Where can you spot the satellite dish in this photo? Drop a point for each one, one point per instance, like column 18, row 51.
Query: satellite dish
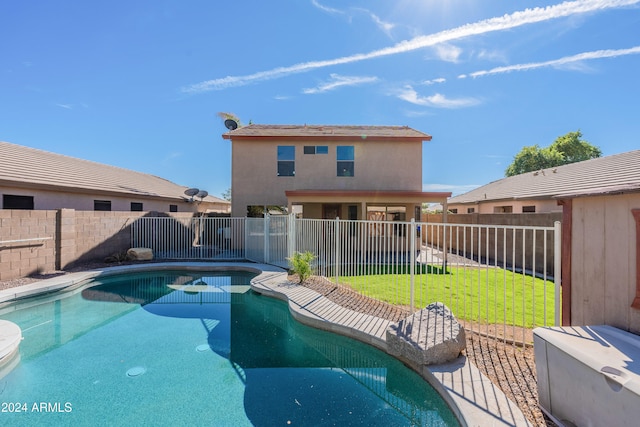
column 231, row 124
column 202, row 194
column 191, row 191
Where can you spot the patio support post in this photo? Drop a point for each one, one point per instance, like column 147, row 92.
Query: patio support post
column 557, row 269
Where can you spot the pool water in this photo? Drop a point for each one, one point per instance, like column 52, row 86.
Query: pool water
column 198, row 348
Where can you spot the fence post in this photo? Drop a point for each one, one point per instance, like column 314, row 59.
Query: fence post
column 337, row 248
column 265, row 256
column 291, row 235
column 412, row 262
column 557, row 268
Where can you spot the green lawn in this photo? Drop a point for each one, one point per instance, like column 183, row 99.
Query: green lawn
column 484, row 295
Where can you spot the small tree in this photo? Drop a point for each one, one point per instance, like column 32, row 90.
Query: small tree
column 300, row 264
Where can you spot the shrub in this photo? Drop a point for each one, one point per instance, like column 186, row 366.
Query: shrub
column 300, row 264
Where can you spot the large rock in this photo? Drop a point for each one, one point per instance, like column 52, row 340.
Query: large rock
column 140, row 254
column 430, row 336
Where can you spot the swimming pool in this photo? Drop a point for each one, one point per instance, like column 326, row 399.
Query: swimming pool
column 198, row 347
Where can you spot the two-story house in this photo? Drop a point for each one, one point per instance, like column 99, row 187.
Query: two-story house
column 350, row 172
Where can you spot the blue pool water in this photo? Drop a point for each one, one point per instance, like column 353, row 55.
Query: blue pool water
column 173, row 347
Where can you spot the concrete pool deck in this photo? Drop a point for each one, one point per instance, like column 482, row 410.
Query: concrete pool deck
column 471, row 395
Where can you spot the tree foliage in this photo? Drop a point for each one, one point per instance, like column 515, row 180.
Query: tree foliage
column 568, row 148
column 227, row 194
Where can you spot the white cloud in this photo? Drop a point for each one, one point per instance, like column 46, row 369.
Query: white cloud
column 492, row 55
column 65, row 106
column 326, row 8
column 448, row 52
column 500, row 23
column 386, row 27
column 573, row 62
column 434, row 81
column 339, row 81
column 437, row 100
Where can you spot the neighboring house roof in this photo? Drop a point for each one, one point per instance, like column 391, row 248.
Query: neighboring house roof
column 615, row 173
column 322, row 132
column 22, row 166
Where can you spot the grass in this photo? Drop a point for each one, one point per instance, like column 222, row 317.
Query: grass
column 483, row 295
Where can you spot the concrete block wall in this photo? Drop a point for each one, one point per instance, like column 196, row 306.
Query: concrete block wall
column 51, row 240
column 27, row 242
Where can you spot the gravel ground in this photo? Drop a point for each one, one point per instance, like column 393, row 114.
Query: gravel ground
column 510, row 367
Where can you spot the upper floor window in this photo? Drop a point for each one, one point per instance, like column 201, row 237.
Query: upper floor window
column 136, row 207
column 173, row 208
column 471, row 210
column 286, row 160
column 10, row 201
column 528, row 209
column 345, row 156
column 316, row 149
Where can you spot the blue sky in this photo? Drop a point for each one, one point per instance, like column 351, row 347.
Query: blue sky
column 138, row 84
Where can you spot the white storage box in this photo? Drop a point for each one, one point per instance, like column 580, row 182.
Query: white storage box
column 588, row 376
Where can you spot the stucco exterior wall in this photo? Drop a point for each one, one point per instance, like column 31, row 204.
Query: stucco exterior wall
column 603, row 261
column 52, row 200
column 378, row 165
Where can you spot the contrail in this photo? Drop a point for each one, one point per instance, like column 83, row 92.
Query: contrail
column 513, row 20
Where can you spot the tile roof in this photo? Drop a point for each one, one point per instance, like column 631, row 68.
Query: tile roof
column 29, row 167
column 327, row 131
column 615, row 173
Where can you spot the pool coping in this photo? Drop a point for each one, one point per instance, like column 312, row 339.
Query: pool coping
column 472, row 396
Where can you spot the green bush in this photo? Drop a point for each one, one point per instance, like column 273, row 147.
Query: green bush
column 300, row 264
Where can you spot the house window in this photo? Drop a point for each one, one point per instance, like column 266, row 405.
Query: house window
column 316, row 149
column 10, row 201
column 102, row 205
column 454, row 210
column 345, row 157
column 503, row 209
column 136, row 207
column 286, row 160
column 471, row 210
column 528, row 209
column 173, row 208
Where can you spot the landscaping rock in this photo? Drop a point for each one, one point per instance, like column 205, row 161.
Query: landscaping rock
column 140, row 254
column 427, row 337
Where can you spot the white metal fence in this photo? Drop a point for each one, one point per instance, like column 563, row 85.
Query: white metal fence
column 501, row 281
